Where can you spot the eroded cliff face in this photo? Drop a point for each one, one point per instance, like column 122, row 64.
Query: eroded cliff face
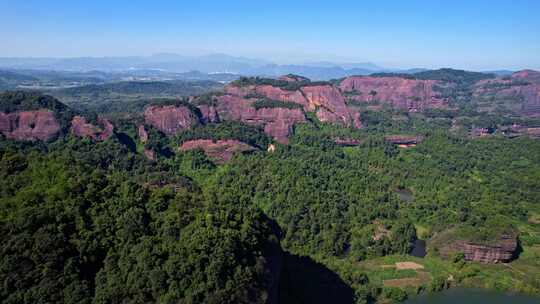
column 501, row 251
column 409, row 94
column 29, row 125
column 81, row 128
column 326, row 100
column 170, row 119
column 522, row 86
column 277, row 122
column 209, row 114
column 329, row 103
column 221, row 150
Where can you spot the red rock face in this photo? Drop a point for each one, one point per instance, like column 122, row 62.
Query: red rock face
column 327, row 100
column 348, row 142
column 522, row 85
column 277, row 122
column 409, row 94
column 502, row 251
column 293, row 78
column 404, row 139
column 221, row 150
column 209, row 114
column 143, row 134
column 29, row 125
column 170, row 119
column 270, row 92
column 150, row 154
column 81, row 128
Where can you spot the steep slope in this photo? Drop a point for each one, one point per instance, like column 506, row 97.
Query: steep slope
column 28, row 116
column 519, row 92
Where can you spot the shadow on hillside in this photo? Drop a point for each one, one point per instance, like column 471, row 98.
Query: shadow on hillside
column 304, row 281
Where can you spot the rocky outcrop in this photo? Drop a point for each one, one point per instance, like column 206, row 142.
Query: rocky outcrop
column 324, row 99
column 522, row 87
column 29, row 125
column 500, row 251
column 170, row 119
column 277, row 122
column 81, row 128
column 269, row 92
column 221, row 150
column 293, row 78
column 347, row 142
column 404, row 141
column 209, row 114
column 330, row 104
column 409, row 94
column 144, row 137
column 143, row 134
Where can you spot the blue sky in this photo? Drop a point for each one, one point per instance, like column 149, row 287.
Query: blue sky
column 470, row 34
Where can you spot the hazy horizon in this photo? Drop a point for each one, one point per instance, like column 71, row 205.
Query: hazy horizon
column 472, row 35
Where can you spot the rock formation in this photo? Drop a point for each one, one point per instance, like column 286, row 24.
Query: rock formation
column 348, row 142
column 293, row 78
column 404, row 141
column 29, row 125
column 170, row 119
column 501, row 251
column 409, row 94
column 324, row 99
column 277, row 122
column 144, row 137
column 522, row 86
column 81, row 128
column 209, row 114
column 330, row 104
column 221, row 150
column 143, row 134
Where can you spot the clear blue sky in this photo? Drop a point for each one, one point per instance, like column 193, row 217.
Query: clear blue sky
column 470, row 34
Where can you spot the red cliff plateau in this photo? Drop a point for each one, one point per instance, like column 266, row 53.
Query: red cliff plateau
column 523, row 86
column 221, row 150
column 29, row 125
column 170, row 119
column 277, row 122
column 327, row 100
column 502, row 251
column 410, row 94
column 81, row 128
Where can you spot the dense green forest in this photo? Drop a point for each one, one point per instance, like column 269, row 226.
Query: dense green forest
column 308, row 222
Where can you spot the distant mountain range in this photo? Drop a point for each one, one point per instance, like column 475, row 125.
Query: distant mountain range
column 201, row 67
column 208, row 64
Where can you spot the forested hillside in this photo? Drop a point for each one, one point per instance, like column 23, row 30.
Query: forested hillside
column 294, row 193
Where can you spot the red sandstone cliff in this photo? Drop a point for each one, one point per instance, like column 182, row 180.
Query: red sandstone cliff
column 29, row 125
column 523, row 86
column 501, row 251
column 209, row 114
column 221, row 150
column 277, row 122
column 170, row 119
column 409, row 94
column 326, row 99
column 81, row 128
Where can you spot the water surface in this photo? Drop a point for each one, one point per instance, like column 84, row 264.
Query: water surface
column 472, row 296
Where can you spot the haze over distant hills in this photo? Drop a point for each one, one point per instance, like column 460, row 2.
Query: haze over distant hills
column 213, row 63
